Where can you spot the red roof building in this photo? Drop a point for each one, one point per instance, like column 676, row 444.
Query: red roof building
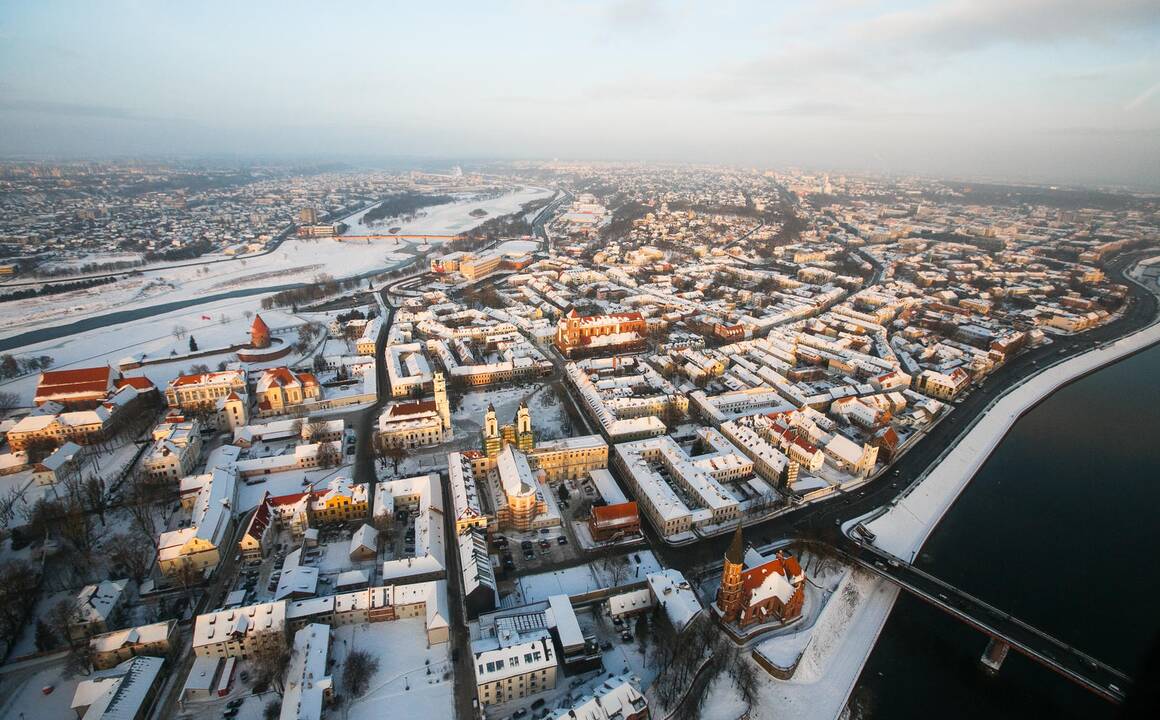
column 79, row 389
column 611, row 522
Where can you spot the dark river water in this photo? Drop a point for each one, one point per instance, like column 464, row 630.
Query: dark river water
column 1059, row 528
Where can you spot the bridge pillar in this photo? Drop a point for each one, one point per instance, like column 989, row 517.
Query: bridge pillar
column 994, row 655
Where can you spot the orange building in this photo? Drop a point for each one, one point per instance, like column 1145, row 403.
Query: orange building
column 610, row 522
column 771, row 591
column 574, row 331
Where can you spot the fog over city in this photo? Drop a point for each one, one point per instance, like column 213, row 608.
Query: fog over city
column 1065, row 91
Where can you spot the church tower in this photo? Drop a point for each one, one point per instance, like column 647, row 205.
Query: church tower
column 492, row 442
column 441, row 405
column 525, row 438
column 729, row 594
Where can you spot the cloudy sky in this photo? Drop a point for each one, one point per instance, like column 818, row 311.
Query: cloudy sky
column 1062, row 91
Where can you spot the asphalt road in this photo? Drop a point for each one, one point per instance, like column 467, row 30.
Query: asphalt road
column 821, row 520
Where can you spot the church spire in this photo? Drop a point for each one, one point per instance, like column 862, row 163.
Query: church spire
column 736, row 552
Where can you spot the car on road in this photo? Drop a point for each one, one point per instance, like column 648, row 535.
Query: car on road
column 529, row 555
column 561, row 540
column 235, row 703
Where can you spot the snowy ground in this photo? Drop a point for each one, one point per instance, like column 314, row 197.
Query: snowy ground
column 449, row 218
column 519, row 246
column 549, row 417
column 402, row 682
column 581, row 579
column 21, row 696
column 295, row 261
column 153, row 337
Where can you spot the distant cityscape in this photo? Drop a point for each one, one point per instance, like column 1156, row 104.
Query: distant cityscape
column 600, row 441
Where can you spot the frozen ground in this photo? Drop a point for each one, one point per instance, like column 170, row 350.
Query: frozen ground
column 519, row 246
column 549, row 418
column 153, row 336
column 295, row 261
column 839, row 643
column 449, row 218
column 581, row 579
column 402, row 686
column 21, row 696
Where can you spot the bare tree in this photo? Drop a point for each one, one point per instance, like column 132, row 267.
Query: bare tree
column 18, row 582
column 313, row 430
column 179, row 332
column 130, row 553
column 359, row 668
column 328, row 455
column 61, row 618
column 8, row 401
column 270, row 661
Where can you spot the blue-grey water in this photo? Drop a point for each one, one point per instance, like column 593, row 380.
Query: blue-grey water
column 1058, row 528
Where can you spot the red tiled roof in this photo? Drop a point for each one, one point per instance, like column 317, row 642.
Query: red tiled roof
column 618, row 514
column 139, row 382
column 80, row 380
column 786, row 565
column 412, row 408
column 288, row 499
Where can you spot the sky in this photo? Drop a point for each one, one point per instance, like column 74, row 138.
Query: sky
column 1066, row 91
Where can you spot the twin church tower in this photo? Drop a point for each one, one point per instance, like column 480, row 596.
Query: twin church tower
column 518, row 434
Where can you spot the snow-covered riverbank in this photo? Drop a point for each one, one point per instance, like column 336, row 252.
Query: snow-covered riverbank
column 904, row 528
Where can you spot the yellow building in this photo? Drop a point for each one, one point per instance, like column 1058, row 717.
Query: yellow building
column 343, row 500
column 279, row 388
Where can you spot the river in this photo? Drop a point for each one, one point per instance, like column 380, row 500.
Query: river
column 1058, row 529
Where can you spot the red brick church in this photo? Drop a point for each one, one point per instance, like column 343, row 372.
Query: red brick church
column 770, row 592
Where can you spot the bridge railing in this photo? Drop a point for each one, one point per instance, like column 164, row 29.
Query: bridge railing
column 898, row 563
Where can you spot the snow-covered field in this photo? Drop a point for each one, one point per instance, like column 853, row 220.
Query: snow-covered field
column 153, row 336
column 402, row 682
column 519, row 246
column 295, row 261
column 449, row 218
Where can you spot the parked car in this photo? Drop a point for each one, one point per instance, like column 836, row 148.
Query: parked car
column 561, row 540
column 235, row 703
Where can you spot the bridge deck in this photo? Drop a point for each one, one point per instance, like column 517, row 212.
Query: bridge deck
column 1100, row 678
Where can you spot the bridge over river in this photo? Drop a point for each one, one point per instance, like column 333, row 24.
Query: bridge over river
column 1004, row 630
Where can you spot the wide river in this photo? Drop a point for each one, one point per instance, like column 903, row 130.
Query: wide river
column 1058, row 528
